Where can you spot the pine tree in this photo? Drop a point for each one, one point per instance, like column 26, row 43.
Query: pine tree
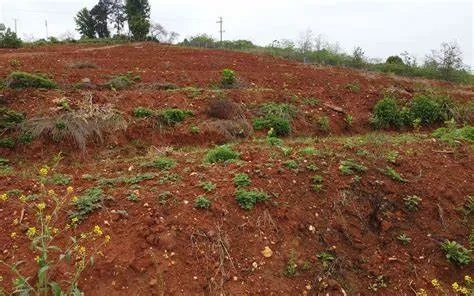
column 85, row 23
column 138, row 17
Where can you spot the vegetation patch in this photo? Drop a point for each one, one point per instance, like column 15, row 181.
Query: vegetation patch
column 456, row 253
column 242, row 180
column 221, row 154
column 172, row 116
column 202, row 203
column 123, row 81
column 142, row 112
column 248, row 199
column 277, row 117
column 162, row 163
column 27, row 80
column 350, row 167
column 87, row 203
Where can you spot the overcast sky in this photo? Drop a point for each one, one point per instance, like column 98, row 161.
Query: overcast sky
column 381, row 28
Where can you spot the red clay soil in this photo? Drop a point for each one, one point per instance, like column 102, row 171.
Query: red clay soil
column 165, row 246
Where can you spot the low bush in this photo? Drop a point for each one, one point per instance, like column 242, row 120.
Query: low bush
column 162, row 163
column 425, row 109
column 142, row 112
column 248, row 199
column 10, row 118
column 202, row 203
column 228, row 78
column 386, row 114
column 220, row 154
column 123, row 81
column 280, row 125
column 350, row 167
column 241, row 180
column 173, row 116
column 451, row 134
column 27, row 80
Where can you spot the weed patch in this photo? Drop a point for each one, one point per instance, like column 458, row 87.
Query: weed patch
column 27, row 80
column 220, row 154
column 248, row 199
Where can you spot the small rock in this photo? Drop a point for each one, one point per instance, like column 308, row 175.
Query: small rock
column 312, row 229
column 254, row 265
column 153, row 282
column 267, row 252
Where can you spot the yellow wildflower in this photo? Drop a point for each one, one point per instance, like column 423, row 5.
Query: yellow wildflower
column 15, row 221
column 47, row 218
column 74, row 220
column 41, row 206
column 37, row 259
column 23, row 198
column 83, row 235
column 55, row 230
column 97, row 230
column 70, row 190
column 3, row 197
column 81, row 251
column 51, row 192
column 13, row 235
column 435, row 283
column 455, row 286
column 44, row 171
column 107, row 238
column 1, row 278
column 74, row 199
column 421, row 292
column 31, row 232
column 467, row 278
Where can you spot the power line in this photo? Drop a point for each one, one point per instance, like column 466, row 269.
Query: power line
column 220, row 22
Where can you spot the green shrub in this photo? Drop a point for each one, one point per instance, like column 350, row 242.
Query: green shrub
column 456, row 253
column 450, row 134
column 228, row 78
column 318, row 181
column 7, row 142
column 142, row 112
column 27, row 80
column 353, row 87
column 120, row 82
column 241, row 180
column 248, row 199
column 291, row 164
column 392, row 173
column 173, row 116
column 386, row 114
column 280, row 125
column 60, row 179
column 426, row 109
column 394, row 60
column 10, row 118
column 208, row 186
column 9, row 39
column 220, row 154
column 202, row 203
column 323, row 123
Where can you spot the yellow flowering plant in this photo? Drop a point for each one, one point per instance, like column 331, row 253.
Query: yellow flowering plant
column 43, row 234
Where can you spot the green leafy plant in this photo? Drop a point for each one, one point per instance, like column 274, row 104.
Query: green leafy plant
column 291, row 164
column 393, row 174
column 326, row 258
column 349, row 120
column 451, row 134
column 311, row 101
column 392, row 156
column 9, row 39
column 123, row 81
column 353, row 87
column 291, row 267
column 27, row 80
column 142, row 112
column 412, row 202
column 469, row 205
column 162, row 163
column 220, row 154
column 277, row 117
column 172, row 116
column 242, row 180
column 248, row 199
column 308, row 151
column 90, row 201
column 228, row 78
column 456, row 253
column 318, row 181
column 404, row 239
column 350, row 167
column 202, row 203
column 386, row 114
column 323, row 123
column 208, row 186
column 194, row 130
column 59, row 179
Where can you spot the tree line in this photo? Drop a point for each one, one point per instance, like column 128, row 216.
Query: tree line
column 106, row 14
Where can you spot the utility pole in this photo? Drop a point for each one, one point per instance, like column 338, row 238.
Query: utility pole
column 46, row 25
column 16, row 27
column 220, row 22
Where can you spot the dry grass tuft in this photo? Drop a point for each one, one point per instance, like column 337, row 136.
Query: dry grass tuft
column 88, row 122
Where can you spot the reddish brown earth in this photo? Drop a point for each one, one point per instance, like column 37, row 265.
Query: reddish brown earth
column 171, row 248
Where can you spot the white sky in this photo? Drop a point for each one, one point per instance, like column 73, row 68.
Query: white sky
column 381, row 28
